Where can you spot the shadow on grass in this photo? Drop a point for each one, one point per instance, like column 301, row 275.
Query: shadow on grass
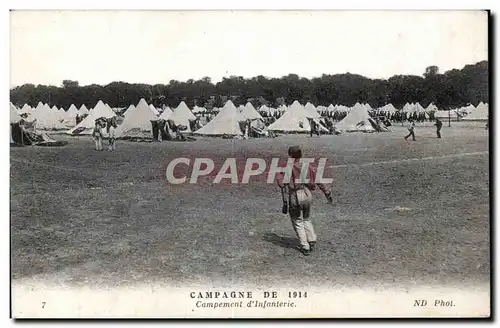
column 285, row 242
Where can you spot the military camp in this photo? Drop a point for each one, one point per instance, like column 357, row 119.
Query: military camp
column 330, row 164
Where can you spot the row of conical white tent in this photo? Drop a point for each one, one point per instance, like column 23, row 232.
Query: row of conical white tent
column 72, row 111
column 414, row 108
column 87, row 125
column 51, row 118
column 183, row 114
column 296, row 119
column 466, row 113
column 138, row 118
column 14, row 114
column 226, row 122
column 479, row 113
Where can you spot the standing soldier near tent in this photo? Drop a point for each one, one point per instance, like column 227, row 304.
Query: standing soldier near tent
column 97, row 135
column 438, row 125
column 314, row 127
column 111, row 134
column 411, row 129
column 297, row 200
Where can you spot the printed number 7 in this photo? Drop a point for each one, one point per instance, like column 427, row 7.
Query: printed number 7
column 43, row 305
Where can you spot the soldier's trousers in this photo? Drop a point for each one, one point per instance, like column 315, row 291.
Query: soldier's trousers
column 411, row 134
column 98, row 143
column 111, row 145
column 438, row 132
column 300, row 205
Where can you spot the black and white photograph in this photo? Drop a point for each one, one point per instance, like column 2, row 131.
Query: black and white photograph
column 249, row 164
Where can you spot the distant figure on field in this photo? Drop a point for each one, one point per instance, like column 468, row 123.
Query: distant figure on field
column 411, row 130
column 97, row 135
column 438, row 125
column 297, row 199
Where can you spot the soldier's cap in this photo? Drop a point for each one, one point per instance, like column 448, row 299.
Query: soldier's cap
column 295, row 152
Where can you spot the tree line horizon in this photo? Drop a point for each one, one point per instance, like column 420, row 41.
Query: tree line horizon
column 452, row 89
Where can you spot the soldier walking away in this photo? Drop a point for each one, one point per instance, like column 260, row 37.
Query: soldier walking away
column 438, row 125
column 297, row 200
column 411, row 130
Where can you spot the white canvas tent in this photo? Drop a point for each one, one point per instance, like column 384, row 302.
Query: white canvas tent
column 137, row 122
column 293, row 120
column 129, row 110
column 356, row 120
column 431, row 108
column 47, row 118
column 72, row 111
column 87, row 125
column 26, row 109
column 468, row 109
column 182, row 115
column 155, row 111
column 167, row 113
column 249, row 113
column 84, row 110
column 14, row 118
column 408, row 107
column 444, row 114
column 389, row 108
column 225, row 123
column 69, row 116
column 14, row 115
column 111, row 109
column 59, row 114
column 478, row 114
column 31, row 117
column 419, row 108
column 311, row 110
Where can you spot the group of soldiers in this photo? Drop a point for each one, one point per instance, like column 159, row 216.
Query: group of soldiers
column 405, row 116
column 98, row 136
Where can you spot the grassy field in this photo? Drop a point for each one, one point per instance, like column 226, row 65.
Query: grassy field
column 404, row 213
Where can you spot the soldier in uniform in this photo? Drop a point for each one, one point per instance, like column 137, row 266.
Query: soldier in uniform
column 411, row 130
column 297, row 200
column 438, row 125
column 111, row 134
column 97, row 134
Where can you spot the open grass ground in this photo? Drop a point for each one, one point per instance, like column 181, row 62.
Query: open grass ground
column 405, row 213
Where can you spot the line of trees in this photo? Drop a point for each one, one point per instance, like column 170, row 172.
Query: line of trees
column 454, row 88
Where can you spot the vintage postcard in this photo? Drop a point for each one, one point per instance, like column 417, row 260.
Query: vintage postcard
column 249, row 164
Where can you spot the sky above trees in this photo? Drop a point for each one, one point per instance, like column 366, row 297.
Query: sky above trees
column 154, row 47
